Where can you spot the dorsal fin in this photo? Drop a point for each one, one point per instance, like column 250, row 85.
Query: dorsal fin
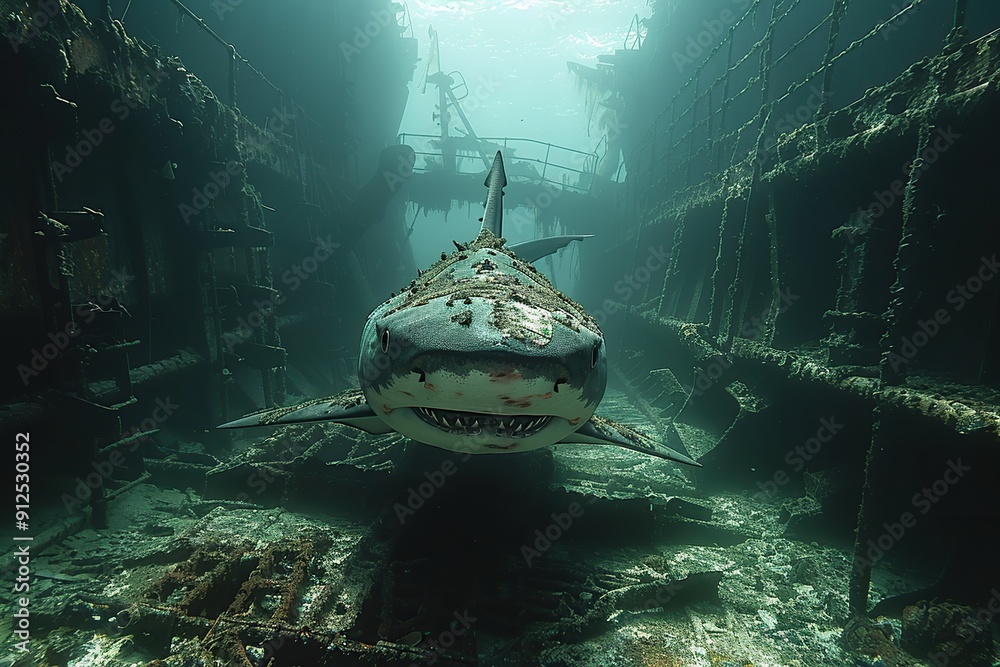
column 534, row 250
column 496, row 180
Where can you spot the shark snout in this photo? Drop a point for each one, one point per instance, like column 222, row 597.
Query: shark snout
column 499, row 402
column 450, row 382
column 463, row 365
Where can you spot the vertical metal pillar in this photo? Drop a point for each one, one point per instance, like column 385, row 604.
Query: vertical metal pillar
column 836, row 16
column 717, row 144
column 905, row 291
column 958, row 32
column 232, row 75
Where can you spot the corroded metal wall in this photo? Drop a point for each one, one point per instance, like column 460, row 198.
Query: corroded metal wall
column 842, row 262
column 156, row 241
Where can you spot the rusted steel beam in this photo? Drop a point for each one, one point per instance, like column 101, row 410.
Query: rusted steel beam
column 961, row 416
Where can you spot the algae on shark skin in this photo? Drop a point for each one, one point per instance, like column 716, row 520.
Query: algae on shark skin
column 440, row 280
column 464, row 318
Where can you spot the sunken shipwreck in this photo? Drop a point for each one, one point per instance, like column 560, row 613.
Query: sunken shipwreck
column 559, row 333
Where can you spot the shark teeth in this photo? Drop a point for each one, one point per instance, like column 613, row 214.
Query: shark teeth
column 474, row 423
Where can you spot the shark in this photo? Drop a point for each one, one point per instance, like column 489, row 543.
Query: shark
column 480, row 354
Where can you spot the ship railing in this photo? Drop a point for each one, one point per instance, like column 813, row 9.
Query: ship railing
column 633, row 39
column 530, row 160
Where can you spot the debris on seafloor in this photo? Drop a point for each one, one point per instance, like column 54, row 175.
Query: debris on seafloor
column 945, row 631
column 637, row 598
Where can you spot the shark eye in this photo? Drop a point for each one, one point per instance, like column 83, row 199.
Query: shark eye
column 559, row 382
column 596, row 354
column 421, row 373
column 385, row 340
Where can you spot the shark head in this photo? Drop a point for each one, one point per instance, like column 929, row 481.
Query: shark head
column 481, row 354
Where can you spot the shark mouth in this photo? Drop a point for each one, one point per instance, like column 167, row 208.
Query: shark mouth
column 474, row 423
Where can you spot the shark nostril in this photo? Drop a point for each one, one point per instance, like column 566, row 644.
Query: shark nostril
column 421, row 373
column 559, row 382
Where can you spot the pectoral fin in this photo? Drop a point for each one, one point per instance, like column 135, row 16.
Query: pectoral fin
column 348, row 408
column 531, row 251
column 603, row 431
